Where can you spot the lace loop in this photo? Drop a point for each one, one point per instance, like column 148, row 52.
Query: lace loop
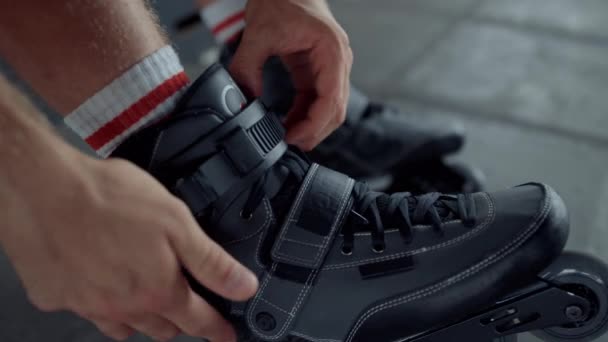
column 373, row 210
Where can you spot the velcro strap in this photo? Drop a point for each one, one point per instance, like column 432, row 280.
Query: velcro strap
column 243, row 149
column 312, row 221
column 299, row 252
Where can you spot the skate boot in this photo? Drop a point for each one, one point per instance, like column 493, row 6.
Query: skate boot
column 336, row 261
column 377, row 143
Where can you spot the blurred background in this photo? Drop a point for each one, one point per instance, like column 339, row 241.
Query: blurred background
column 529, row 78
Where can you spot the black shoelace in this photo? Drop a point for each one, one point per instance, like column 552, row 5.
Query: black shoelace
column 296, row 165
column 374, row 211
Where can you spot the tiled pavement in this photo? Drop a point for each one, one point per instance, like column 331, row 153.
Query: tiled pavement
column 528, row 77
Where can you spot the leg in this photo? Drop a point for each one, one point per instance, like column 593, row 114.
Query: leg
column 105, row 66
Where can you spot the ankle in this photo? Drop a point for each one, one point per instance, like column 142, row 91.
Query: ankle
column 145, row 93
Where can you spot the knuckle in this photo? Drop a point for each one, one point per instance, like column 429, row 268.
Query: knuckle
column 350, row 56
column 180, row 211
column 216, row 260
column 343, row 37
column 228, row 272
column 100, row 307
column 204, row 329
column 209, row 257
column 340, row 118
column 341, row 115
column 156, row 300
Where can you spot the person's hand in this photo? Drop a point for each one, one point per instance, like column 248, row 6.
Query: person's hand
column 105, row 240
column 316, row 52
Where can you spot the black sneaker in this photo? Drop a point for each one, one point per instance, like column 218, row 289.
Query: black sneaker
column 336, row 261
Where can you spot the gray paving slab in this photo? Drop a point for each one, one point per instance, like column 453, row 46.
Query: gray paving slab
column 545, row 81
column 447, row 7
column 584, row 17
column 384, row 39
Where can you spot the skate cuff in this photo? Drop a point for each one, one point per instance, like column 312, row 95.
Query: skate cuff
column 305, row 238
column 241, row 150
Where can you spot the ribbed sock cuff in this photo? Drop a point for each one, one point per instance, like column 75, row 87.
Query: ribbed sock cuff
column 145, row 93
column 225, row 19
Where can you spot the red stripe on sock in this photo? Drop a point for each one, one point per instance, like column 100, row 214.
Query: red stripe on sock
column 228, row 21
column 137, row 111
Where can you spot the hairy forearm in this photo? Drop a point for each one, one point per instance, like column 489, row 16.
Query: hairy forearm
column 31, row 156
column 68, row 50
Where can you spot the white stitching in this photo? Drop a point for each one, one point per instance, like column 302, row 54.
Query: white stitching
column 302, row 243
column 275, row 306
column 337, row 219
column 396, row 230
column 307, row 286
column 506, row 250
column 454, row 241
column 260, row 242
column 303, row 190
column 257, row 297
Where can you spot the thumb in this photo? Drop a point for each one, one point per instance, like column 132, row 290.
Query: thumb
column 213, row 267
column 248, row 65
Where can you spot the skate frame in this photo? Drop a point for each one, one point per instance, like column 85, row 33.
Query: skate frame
column 536, row 307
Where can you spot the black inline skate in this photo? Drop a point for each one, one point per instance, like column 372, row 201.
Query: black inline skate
column 338, row 262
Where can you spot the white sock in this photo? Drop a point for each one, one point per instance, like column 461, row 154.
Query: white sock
column 145, row 93
column 225, row 19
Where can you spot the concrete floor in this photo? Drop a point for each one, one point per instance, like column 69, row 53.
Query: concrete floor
column 529, row 78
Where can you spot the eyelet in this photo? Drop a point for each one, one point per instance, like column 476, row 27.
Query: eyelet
column 246, row 218
column 378, row 249
column 346, row 251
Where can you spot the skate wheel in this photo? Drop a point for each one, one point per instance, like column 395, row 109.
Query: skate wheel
column 587, row 277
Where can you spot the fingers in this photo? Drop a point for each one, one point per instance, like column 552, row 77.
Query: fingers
column 331, row 69
column 198, row 319
column 248, row 65
column 154, row 326
column 211, row 266
column 116, row 331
